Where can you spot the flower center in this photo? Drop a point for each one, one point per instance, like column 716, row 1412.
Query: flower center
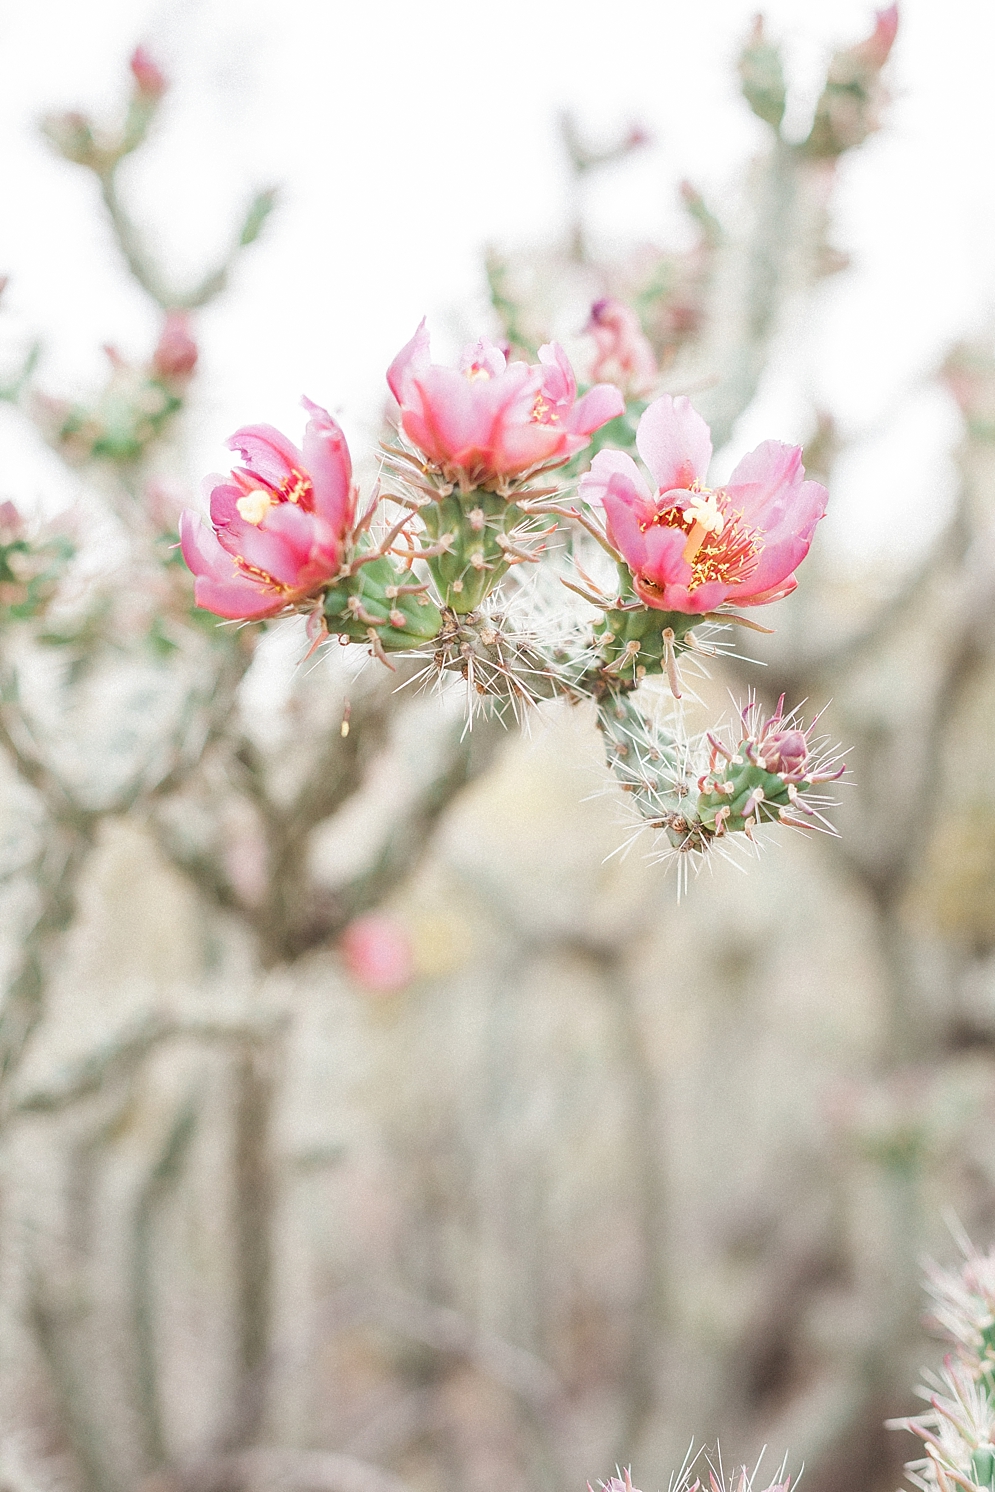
column 543, row 412
column 254, row 506
column 476, row 371
column 256, row 502
column 720, row 546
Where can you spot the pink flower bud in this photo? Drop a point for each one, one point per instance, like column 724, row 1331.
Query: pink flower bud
column 624, row 356
column 150, row 80
column 11, row 523
column 175, row 356
column 378, row 954
column 784, row 751
column 875, row 50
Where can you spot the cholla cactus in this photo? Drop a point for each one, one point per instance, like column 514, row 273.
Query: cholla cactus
column 959, row 1428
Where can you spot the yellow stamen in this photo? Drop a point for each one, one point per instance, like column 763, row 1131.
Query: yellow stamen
column 254, row 506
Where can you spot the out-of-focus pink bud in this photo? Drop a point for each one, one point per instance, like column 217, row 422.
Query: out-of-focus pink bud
column 11, row 523
column 150, row 80
column 175, row 356
column 875, row 50
column 73, row 137
column 624, row 356
column 378, row 953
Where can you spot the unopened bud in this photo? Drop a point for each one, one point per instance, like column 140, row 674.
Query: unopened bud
column 175, row 356
column 72, row 136
column 150, row 80
column 762, row 76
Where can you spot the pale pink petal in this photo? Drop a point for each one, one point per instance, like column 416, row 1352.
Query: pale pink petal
column 559, row 385
column 326, row 457
column 268, row 454
column 483, row 354
column 766, row 476
column 674, row 441
column 608, row 464
column 412, row 359
column 599, row 405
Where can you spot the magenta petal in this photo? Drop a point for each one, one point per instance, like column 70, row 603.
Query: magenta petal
column 236, row 600
column 220, row 586
column 279, row 546
column 199, row 544
column 765, row 483
column 664, row 563
column 326, row 457
column 674, row 441
column 596, row 408
column 677, row 597
column 268, row 454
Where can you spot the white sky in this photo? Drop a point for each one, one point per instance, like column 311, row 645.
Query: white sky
column 404, row 136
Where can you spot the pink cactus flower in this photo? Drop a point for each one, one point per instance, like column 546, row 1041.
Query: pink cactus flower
column 624, row 355
column 490, row 420
column 175, row 356
column 690, row 547
column 279, row 524
column 377, row 952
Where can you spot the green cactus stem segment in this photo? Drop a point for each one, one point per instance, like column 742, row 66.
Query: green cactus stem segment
column 983, row 1466
column 483, row 534
column 379, row 598
column 742, row 795
column 634, row 640
column 648, row 763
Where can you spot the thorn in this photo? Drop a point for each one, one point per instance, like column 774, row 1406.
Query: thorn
column 670, row 662
column 346, row 712
column 740, row 621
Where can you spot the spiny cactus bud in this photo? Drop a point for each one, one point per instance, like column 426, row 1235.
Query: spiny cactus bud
column 762, row 76
column 764, row 778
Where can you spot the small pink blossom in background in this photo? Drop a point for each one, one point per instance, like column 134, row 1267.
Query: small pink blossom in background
column 624, row 355
column 691, row 548
column 175, row 356
column 149, row 77
column 11, row 523
column 279, row 524
column 490, row 419
column 378, row 953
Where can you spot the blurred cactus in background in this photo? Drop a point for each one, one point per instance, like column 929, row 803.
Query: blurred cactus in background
column 367, row 1121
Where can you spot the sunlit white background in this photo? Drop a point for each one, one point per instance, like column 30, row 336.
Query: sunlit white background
column 405, row 136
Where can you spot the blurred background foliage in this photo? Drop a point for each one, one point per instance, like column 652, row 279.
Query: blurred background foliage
column 365, row 1122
